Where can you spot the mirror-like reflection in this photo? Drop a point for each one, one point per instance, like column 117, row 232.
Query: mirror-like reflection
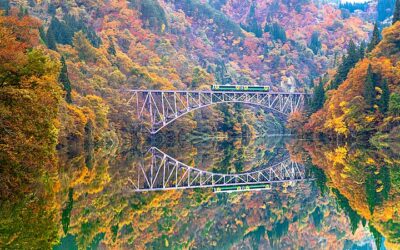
column 315, row 196
column 163, row 172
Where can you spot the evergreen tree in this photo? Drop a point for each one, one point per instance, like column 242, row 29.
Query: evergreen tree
column 348, row 210
column 377, row 237
column 50, row 39
column 64, row 30
column 42, row 34
column 111, row 49
column 62, row 33
column 320, row 177
column 348, row 62
column 315, row 44
column 385, row 96
column 396, row 14
column 91, row 35
column 369, row 89
column 361, row 50
column 370, row 191
column 153, row 15
column 252, row 24
column 376, row 38
column 51, row 9
column 66, row 212
column 63, row 78
column 352, row 55
column 276, row 31
column 318, row 96
column 394, row 104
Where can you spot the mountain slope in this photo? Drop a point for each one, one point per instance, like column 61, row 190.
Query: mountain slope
column 367, row 101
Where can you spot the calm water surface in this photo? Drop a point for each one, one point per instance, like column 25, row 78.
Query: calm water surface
column 320, row 196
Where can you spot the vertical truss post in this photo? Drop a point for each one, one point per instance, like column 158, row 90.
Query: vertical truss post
column 187, row 102
column 176, row 110
column 151, row 104
column 163, row 108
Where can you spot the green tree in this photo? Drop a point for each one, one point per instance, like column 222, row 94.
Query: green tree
column 50, row 39
column 320, row 177
column 252, row 24
column 63, row 78
column 315, row 44
column 352, row 55
column 344, row 204
column 376, row 38
column 394, row 104
column 385, row 96
column 396, row 14
column 276, row 31
column 377, row 178
column 51, row 9
column 348, row 62
column 318, row 96
column 62, row 33
column 111, row 48
column 66, row 212
column 369, row 89
column 42, row 34
column 361, row 50
column 377, row 236
column 153, row 15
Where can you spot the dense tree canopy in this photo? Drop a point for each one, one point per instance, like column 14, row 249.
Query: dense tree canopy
column 376, row 38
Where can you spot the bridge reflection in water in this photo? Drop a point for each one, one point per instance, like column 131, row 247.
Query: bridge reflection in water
column 163, row 172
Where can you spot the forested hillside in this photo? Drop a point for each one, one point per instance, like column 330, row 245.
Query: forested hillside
column 64, row 66
column 106, row 46
column 363, row 97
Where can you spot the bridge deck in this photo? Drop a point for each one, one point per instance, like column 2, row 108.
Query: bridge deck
column 216, row 92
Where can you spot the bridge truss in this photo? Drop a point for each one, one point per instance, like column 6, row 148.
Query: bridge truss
column 166, row 173
column 158, row 108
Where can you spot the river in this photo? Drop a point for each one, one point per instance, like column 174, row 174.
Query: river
column 307, row 195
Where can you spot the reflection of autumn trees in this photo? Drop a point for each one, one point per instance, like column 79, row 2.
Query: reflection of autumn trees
column 365, row 183
column 119, row 218
column 122, row 47
column 29, row 100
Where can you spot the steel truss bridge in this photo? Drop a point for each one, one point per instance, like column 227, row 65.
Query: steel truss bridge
column 166, row 173
column 158, row 108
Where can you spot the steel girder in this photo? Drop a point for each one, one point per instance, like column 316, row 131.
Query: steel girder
column 166, row 173
column 158, row 108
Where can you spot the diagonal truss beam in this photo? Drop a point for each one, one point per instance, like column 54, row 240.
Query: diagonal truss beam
column 162, row 107
column 166, row 173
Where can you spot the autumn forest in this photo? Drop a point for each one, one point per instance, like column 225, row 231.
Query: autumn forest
column 70, row 140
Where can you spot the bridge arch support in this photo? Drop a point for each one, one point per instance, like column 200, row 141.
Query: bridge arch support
column 159, row 108
column 163, row 172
